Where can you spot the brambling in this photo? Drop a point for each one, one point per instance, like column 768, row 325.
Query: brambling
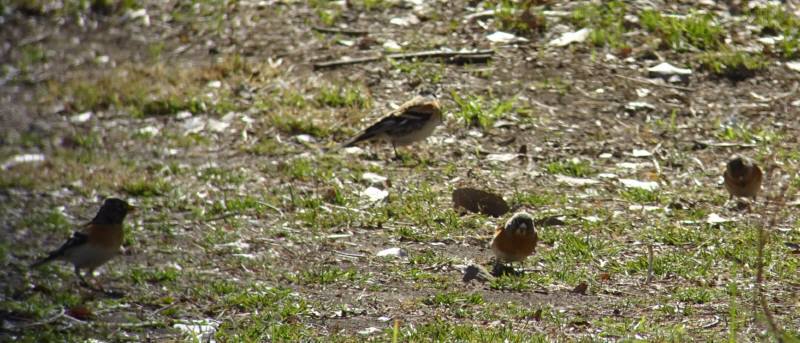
column 100, row 241
column 743, row 177
column 413, row 121
column 516, row 240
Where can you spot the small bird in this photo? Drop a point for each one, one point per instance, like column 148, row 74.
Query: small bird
column 743, row 177
column 413, row 121
column 516, row 240
column 98, row 244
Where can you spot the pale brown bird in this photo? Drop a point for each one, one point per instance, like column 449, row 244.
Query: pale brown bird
column 413, row 121
column 743, row 177
column 516, row 240
column 99, row 242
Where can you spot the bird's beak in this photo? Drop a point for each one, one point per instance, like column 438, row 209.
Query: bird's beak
column 131, row 209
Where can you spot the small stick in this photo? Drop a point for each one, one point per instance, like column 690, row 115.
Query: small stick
column 649, row 82
column 452, row 56
column 649, row 264
column 349, row 32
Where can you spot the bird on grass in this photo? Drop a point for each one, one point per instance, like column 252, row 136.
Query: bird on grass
column 743, row 177
column 514, row 241
column 100, row 240
column 413, row 121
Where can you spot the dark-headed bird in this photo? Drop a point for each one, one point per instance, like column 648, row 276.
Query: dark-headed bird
column 100, row 240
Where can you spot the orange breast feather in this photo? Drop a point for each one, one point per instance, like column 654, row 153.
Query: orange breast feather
column 514, row 246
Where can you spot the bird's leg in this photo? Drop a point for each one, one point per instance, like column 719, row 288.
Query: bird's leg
column 396, row 156
column 84, row 283
column 80, row 277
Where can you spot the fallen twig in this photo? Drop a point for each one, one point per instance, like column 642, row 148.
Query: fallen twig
column 340, row 31
column 653, row 83
column 649, row 264
column 478, row 56
column 45, row 321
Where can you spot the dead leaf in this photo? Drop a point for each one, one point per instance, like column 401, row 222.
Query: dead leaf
column 80, row 312
column 603, row 277
column 476, row 272
column 479, row 201
column 581, row 288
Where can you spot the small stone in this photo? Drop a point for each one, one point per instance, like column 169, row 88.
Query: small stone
column 665, row 70
column 392, row 252
column 646, row 185
column 571, row 37
column 373, row 178
column 504, row 37
column 375, row 194
column 80, row 118
column 575, row 181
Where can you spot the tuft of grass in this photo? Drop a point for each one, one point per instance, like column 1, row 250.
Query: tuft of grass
column 606, row 21
column 478, row 112
column 695, row 31
column 576, row 168
column 774, row 20
column 640, row 196
column 519, row 17
column 734, row 65
column 325, row 276
column 146, row 187
column 343, row 96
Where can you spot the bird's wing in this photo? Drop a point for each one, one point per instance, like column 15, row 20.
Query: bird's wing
column 77, row 239
column 407, row 118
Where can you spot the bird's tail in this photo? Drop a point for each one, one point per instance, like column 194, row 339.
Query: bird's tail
column 45, row 260
column 355, row 140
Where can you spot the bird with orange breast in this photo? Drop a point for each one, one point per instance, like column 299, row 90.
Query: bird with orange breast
column 743, row 177
column 97, row 244
column 516, row 240
column 413, row 121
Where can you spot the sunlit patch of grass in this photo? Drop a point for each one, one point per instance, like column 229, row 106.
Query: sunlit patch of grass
column 221, row 176
column 576, row 168
column 146, row 187
column 774, row 20
column 423, row 72
column 606, row 21
column 343, row 96
column 699, row 31
column 140, row 276
column 475, row 111
column 523, row 283
column 441, row 331
column 734, row 65
column 694, row 295
column 746, row 134
column 325, row 275
column 238, row 205
column 640, row 196
column 295, row 125
column 519, row 17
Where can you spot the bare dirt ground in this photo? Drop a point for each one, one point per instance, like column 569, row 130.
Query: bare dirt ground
column 211, row 118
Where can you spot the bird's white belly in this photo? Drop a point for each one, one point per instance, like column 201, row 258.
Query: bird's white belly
column 89, row 256
column 415, row 135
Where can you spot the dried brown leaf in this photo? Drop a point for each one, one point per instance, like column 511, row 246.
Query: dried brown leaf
column 479, row 201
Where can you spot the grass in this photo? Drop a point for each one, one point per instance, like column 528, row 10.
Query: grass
column 475, row 111
column 574, row 168
column 519, row 17
column 695, row 31
column 735, row 65
column 606, row 21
